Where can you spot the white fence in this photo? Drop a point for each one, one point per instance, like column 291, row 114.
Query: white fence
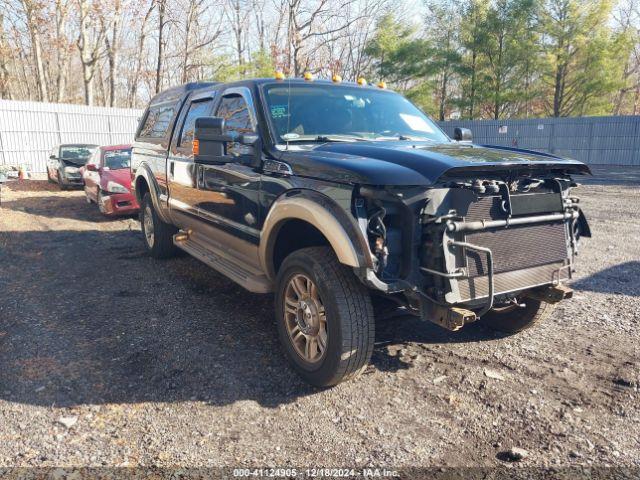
column 29, row 130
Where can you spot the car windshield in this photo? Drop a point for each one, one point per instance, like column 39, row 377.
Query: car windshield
column 319, row 113
column 77, row 153
column 117, row 159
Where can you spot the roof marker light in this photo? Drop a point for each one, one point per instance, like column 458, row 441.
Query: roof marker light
column 382, row 84
column 362, row 82
column 308, row 76
column 279, row 75
column 336, row 78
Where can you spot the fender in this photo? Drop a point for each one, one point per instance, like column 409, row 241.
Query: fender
column 338, row 227
column 145, row 172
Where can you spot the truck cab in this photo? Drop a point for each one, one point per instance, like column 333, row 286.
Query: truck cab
column 332, row 195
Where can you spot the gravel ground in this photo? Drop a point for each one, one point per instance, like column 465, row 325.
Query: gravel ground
column 110, row 358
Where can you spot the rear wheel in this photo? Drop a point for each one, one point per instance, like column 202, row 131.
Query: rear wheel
column 324, row 316
column 513, row 319
column 158, row 235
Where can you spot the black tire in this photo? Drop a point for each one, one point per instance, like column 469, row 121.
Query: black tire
column 348, row 317
column 515, row 319
column 161, row 244
column 62, row 186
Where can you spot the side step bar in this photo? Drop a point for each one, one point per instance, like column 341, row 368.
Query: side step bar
column 234, row 268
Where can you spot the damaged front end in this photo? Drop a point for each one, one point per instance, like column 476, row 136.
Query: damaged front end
column 473, row 242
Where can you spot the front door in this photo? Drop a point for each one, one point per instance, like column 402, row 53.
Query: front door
column 182, row 171
column 229, row 192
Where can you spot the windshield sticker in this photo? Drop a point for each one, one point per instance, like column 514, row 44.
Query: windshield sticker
column 278, row 111
column 416, row 123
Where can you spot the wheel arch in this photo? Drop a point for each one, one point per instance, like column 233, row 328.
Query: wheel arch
column 144, row 183
column 322, row 221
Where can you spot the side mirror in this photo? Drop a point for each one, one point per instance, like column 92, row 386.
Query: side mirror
column 52, row 157
column 249, row 139
column 92, row 167
column 462, row 134
column 210, row 141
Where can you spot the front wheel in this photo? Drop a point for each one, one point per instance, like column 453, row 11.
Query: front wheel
column 324, row 316
column 60, row 182
column 158, row 235
column 100, row 202
column 513, row 319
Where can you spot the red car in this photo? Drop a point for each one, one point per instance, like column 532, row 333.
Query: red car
column 107, row 180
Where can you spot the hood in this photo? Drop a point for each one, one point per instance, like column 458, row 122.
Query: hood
column 415, row 163
column 121, row 176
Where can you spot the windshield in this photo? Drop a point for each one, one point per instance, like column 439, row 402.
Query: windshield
column 77, row 154
column 335, row 112
column 117, row 159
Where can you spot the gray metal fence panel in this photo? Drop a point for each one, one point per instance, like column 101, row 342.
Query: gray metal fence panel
column 594, row 140
column 29, row 130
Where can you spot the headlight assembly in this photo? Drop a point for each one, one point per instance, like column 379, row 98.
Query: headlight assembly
column 113, row 187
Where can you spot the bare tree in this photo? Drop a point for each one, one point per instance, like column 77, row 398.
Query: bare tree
column 161, row 5
column 5, row 89
column 32, row 10
column 237, row 13
column 197, row 33
column 139, row 60
column 90, row 39
column 63, row 48
column 112, row 43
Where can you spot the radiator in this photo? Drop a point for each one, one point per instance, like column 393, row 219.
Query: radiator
column 523, row 256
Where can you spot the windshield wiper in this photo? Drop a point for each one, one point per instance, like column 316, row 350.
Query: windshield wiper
column 339, row 138
column 325, row 139
column 403, row 137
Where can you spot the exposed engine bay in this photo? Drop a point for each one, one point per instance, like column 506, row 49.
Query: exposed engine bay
column 468, row 245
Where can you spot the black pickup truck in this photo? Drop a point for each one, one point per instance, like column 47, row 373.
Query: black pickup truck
column 340, row 196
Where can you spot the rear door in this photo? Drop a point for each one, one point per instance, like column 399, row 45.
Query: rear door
column 229, row 192
column 152, row 141
column 182, row 171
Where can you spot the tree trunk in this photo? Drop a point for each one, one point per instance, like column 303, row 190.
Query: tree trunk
column 161, row 12
column 36, row 48
column 472, row 93
column 113, row 50
column 62, row 51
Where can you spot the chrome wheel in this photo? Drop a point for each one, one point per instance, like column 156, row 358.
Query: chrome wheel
column 148, row 226
column 305, row 318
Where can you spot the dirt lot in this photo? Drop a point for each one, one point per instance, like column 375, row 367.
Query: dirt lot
column 167, row 363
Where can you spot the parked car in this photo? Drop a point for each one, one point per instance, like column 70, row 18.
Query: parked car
column 329, row 194
column 65, row 162
column 107, row 180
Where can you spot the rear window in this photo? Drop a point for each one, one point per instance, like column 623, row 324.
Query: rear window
column 158, row 120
